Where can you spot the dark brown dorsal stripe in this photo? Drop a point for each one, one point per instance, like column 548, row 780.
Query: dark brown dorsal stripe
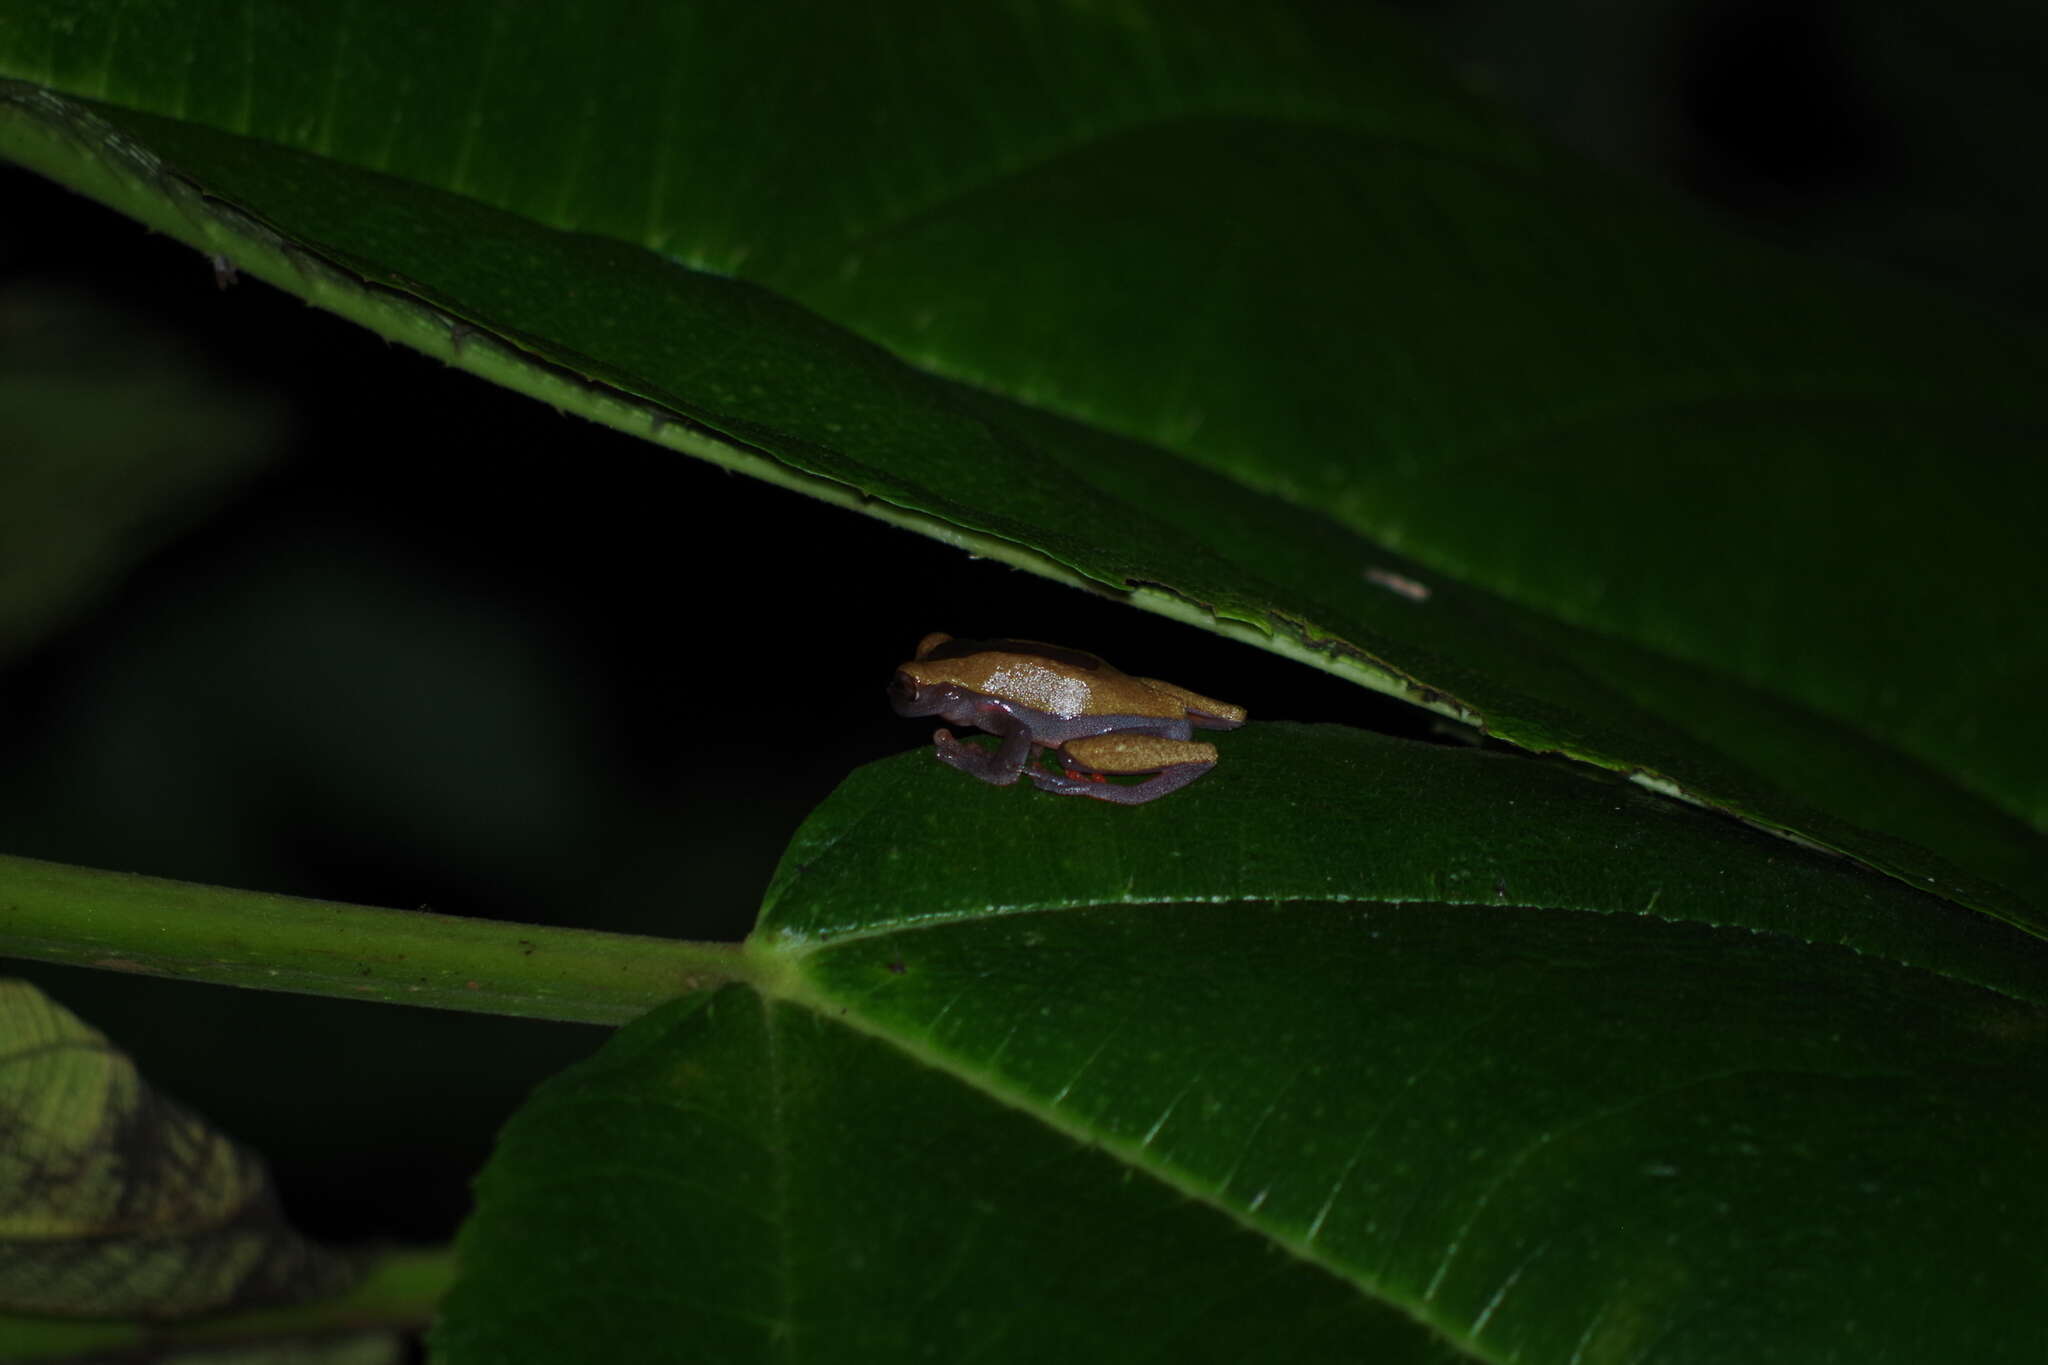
column 1072, row 658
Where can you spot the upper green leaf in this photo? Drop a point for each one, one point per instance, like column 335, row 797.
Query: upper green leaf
column 1253, row 311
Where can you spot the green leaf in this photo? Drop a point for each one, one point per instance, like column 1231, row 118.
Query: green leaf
column 781, row 1188
column 1420, row 1054
column 116, row 1202
column 1322, row 812
column 1249, row 312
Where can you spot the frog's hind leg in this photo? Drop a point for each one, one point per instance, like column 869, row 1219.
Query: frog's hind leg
column 1204, row 712
column 1166, row 780
column 1173, row 762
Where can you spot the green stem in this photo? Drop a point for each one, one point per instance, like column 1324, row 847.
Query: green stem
column 112, row 920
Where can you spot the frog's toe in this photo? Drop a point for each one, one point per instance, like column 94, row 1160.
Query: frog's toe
column 1065, row 783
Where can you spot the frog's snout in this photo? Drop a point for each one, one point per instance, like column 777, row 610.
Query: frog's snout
column 905, row 696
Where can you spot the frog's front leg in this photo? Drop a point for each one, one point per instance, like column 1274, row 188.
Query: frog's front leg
column 999, row 768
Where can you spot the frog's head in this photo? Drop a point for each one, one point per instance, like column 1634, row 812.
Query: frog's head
column 915, row 696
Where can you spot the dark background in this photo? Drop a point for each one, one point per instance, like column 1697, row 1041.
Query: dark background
column 451, row 649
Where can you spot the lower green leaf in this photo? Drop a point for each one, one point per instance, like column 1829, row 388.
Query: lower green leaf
column 1357, row 1049
column 1295, row 1132
column 748, row 1180
column 1553, row 1136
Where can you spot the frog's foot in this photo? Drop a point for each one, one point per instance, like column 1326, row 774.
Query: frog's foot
column 999, row 766
column 1071, row 783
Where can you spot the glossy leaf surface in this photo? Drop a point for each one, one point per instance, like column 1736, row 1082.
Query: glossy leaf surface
column 1548, row 1071
column 1285, row 327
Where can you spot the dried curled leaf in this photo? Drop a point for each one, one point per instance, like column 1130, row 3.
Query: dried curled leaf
column 115, row 1201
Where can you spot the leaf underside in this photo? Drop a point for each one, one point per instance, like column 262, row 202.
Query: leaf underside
column 1278, row 328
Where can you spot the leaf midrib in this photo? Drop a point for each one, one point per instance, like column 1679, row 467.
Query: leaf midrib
column 791, row 947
